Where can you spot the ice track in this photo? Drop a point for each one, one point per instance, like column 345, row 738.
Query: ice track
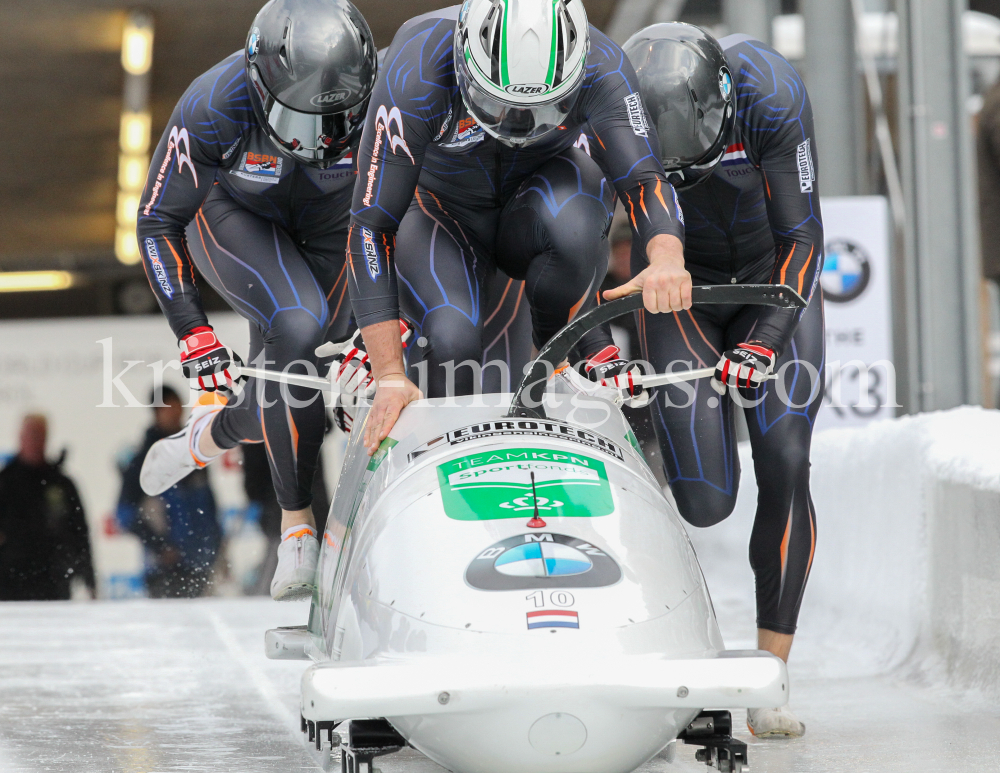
column 903, row 608
column 150, row 687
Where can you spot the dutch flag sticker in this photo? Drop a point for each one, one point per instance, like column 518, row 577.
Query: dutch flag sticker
column 553, row 618
column 347, row 160
column 735, row 154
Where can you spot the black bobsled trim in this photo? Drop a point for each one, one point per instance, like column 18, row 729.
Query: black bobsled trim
column 527, row 402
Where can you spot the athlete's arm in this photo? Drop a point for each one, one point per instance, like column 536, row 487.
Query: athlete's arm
column 409, row 107
column 627, row 150
column 180, row 176
column 782, row 138
column 410, row 103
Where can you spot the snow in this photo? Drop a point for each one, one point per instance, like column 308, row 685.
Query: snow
column 151, row 687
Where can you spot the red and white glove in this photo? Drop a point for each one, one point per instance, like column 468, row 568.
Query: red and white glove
column 747, row 366
column 206, row 363
column 607, row 368
column 352, row 373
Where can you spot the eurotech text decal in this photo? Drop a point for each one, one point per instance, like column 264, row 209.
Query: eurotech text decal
column 522, row 428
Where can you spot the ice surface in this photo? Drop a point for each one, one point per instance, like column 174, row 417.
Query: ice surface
column 150, row 687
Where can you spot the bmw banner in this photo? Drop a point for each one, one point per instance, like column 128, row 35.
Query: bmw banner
column 860, row 377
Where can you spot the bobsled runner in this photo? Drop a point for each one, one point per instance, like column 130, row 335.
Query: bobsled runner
column 504, row 587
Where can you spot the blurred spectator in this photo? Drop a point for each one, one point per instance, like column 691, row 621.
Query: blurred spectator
column 260, row 492
column 179, row 529
column 988, row 158
column 44, row 541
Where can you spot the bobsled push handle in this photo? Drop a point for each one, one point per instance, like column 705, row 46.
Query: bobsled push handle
column 527, row 400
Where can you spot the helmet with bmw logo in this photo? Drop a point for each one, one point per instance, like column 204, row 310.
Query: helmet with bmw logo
column 520, row 64
column 311, row 67
column 688, row 91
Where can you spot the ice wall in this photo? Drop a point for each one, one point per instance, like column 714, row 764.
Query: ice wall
column 907, row 567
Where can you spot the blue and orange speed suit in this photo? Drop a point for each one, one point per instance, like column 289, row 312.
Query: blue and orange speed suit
column 268, row 233
column 440, row 205
column 755, row 220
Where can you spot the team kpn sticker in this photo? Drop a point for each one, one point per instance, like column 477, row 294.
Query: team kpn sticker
column 497, row 484
column 542, row 560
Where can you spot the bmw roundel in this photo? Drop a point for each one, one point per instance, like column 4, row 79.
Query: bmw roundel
column 253, row 43
column 725, row 83
column 542, row 560
column 846, row 273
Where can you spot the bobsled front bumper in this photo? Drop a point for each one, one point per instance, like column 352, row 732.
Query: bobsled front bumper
column 427, row 687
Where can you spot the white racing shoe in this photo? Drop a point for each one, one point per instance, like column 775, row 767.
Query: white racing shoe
column 298, row 555
column 172, row 459
column 774, row 723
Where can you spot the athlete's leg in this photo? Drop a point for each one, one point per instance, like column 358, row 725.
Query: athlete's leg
column 444, row 276
column 784, row 534
column 266, row 277
column 506, row 335
column 553, row 235
column 695, row 428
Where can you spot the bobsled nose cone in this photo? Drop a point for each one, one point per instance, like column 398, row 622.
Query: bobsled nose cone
column 557, row 734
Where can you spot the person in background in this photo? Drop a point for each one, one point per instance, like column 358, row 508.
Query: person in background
column 988, row 161
column 179, row 529
column 44, row 540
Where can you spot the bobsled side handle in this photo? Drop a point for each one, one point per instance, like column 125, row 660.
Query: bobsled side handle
column 527, row 402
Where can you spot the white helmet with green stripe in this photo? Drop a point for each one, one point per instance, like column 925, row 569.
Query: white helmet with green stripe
column 520, row 64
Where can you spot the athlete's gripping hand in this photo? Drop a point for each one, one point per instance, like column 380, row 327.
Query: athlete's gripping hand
column 394, row 392
column 747, row 366
column 665, row 284
column 206, row 363
column 607, row 368
column 351, row 371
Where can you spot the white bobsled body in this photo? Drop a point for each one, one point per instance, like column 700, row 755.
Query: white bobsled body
column 493, row 639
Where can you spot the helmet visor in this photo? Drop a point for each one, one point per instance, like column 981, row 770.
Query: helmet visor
column 510, row 124
column 317, row 139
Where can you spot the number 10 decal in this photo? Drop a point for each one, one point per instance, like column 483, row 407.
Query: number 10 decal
column 557, row 598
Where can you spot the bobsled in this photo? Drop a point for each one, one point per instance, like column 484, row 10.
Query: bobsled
column 503, row 586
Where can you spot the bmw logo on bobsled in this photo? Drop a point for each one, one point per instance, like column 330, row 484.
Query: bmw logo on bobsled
column 505, row 587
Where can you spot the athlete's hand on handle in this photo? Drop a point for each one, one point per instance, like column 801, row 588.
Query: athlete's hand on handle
column 394, row 392
column 206, row 363
column 665, row 284
column 747, row 366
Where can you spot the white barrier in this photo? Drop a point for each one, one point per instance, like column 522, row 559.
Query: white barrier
column 907, row 566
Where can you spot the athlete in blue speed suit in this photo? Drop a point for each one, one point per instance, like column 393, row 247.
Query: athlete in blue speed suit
column 441, row 204
column 753, row 217
column 265, row 220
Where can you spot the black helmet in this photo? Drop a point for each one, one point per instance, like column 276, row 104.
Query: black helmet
column 311, row 66
column 685, row 82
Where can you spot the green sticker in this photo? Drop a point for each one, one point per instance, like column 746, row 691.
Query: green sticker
column 497, row 484
column 634, row 442
column 380, row 454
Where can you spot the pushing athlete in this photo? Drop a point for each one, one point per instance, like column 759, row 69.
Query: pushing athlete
column 473, row 159
column 252, row 183
column 736, row 132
